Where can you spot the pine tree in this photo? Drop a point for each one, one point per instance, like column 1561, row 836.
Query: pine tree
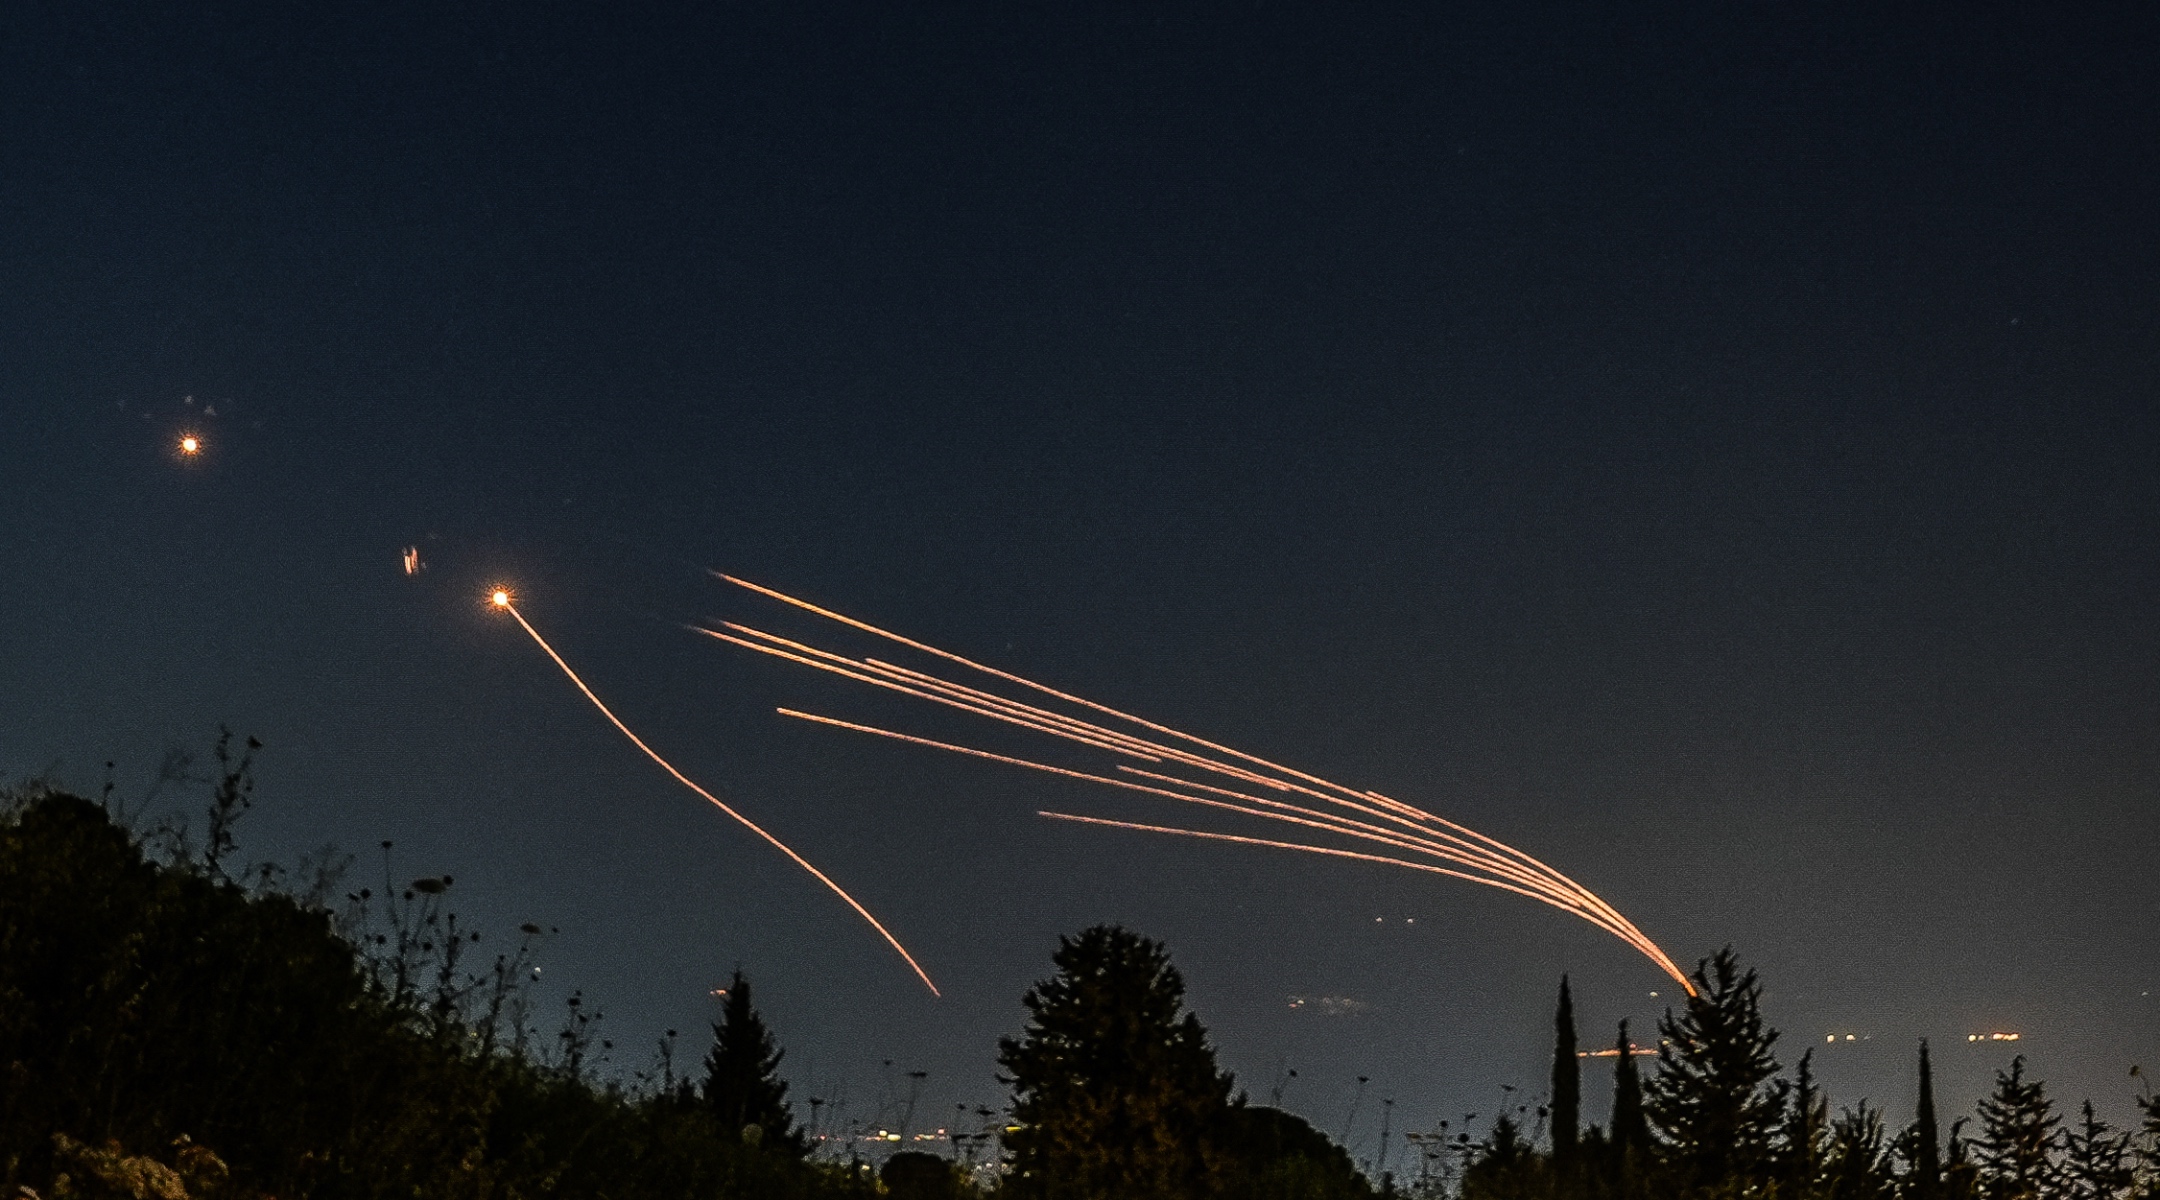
column 1115, row 1088
column 2097, row 1163
column 1857, row 1165
column 2018, row 1138
column 743, row 1087
column 1566, row 1081
column 1923, row 1145
column 1712, row 1100
column 1807, row 1122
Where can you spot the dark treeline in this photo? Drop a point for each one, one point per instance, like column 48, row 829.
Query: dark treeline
column 175, row 1026
column 1718, row 1119
column 170, row 1029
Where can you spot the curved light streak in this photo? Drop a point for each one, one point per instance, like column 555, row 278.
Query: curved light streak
column 501, row 599
column 1431, row 835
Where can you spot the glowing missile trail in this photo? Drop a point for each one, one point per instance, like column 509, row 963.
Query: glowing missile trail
column 1289, row 813
column 1410, row 810
column 501, row 599
column 1535, row 875
column 1419, row 831
column 1310, row 818
column 1330, row 851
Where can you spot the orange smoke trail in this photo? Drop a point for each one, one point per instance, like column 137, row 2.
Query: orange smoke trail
column 1565, row 892
column 502, row 601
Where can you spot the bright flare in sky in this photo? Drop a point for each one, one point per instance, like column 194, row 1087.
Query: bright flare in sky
column 190, row 444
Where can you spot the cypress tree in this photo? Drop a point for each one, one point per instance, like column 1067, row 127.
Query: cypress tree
column 743, row 1087
column 1925, row 1181
column 1630, row 1132
column 1566, row 1081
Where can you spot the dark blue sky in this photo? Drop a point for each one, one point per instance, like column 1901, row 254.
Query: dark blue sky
column 1711, row 446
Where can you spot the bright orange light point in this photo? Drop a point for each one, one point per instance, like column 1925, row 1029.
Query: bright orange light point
column 190, row 445
column 501, row 598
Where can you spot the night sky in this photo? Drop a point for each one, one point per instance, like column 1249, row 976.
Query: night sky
column 1713, row 447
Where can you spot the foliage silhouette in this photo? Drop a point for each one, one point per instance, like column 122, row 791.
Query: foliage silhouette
column 166, row 1030
column 1566, row 1080
column 2019, row 1138
column 1117, row 1095
column 1713, row 1101
column 743, row 1088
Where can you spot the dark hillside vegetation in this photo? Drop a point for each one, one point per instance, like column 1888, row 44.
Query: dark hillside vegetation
column 165, row 1030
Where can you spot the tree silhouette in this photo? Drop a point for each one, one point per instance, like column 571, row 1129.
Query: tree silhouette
column 1923, row 1144
column 1712, row 1099
column 1807, row 1126
column 743, row 1088
column 1566, row 1080
column 2148, row 1145
column 2097, row 1162
column 1115, row 1087
column 2015, row 1152
column 1856, row 1165
column 1630, row 1130
column 1961, row 1176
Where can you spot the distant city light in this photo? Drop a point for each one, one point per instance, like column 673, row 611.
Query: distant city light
column 1993, row 1037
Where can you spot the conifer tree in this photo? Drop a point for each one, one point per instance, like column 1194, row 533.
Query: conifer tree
column 1960, row 1176
column 1566, row 1080
column 2148, row 1150
column 2015, row 1153
column 1506, row 1167
column 1857, row 1162
column 743, row 1087
column 1712, row 1099
column 1807, row 1122
column 1630, row 1132
column 2097, row 1161
column 1923, row 1145
column 1115, row 1088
